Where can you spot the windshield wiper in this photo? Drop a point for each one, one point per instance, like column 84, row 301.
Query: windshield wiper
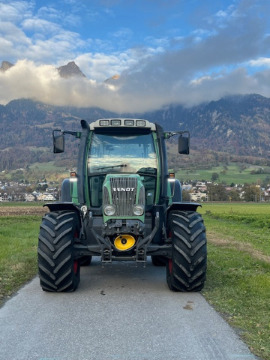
column 111, row 167
column 147, row 171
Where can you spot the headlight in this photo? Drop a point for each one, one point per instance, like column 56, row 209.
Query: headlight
column 138, row 210
column 109, row 210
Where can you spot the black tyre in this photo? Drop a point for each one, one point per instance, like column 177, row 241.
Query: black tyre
column 158, row 260
column 186, row 271
column 58, row 269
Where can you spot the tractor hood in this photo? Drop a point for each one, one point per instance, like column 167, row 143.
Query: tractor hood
column 123, row 197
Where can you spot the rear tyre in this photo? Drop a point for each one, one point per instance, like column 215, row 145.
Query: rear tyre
column 158, row 260
column 186, row 271
column 59, row 271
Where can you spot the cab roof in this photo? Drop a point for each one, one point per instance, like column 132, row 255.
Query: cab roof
column 124, row 123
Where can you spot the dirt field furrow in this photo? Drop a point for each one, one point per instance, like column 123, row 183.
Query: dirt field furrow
column 22, row 210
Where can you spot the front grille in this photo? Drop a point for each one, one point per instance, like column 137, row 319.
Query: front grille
column 123, row 190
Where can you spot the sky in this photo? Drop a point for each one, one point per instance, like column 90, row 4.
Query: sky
column 163, row 51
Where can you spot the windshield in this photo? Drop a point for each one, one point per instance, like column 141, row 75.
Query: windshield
column 122, row 153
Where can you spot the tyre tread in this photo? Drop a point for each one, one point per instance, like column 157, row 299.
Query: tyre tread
column 55, row 252
column 189, row 256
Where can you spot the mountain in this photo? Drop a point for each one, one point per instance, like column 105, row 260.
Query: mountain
column 236, row 125
column 65, row 71
column 5, row 66
column 70, row 70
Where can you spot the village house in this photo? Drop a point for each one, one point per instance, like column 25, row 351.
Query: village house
column 29, row 197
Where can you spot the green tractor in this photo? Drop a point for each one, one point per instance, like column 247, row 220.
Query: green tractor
column 122, row 204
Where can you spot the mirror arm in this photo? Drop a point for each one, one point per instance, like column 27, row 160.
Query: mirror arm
column 169, row 134
column 77, row 134
column 59, row 139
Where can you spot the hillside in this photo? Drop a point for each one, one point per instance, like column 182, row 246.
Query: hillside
column 237, row 125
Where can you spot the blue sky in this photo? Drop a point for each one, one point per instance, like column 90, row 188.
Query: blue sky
column 165, row 51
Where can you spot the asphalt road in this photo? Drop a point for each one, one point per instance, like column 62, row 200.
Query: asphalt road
column 119, row 312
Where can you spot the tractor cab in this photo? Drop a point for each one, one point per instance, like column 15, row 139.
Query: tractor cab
column 122, row 156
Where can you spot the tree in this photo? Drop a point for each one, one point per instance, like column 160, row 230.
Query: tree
column 215, row 176
column 185, row 195
column 252, row 193
column 217, row 192
column 234, row 195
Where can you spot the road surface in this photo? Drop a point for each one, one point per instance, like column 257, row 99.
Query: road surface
column 119, row 312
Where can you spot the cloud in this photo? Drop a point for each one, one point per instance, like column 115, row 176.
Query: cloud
column 217, row 62
column 43, row 83
column 38, row 36
column 40, row 26
column 212, row 61
column 101, row 66
column 15, row 11
column 262, row 61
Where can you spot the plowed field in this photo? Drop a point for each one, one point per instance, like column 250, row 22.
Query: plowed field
column 22, row 210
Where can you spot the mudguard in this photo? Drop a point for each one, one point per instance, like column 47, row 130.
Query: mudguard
column 183, row 206
column 58, row 206
column 177, row 203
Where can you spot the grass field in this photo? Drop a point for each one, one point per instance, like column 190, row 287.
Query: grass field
column 39, row 170
column 232, row 174
column 238, row 277
column 47, row 167
column 18, row 254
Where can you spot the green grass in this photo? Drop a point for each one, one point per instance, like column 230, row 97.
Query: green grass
column 243, row 222
column 232, row 174
column 36, row 172
column 238, row 286
column 18, row 254
column 238, row 277
column 47, row 167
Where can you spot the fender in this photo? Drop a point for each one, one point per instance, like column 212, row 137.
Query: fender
column 183, row 206
column 57, row 206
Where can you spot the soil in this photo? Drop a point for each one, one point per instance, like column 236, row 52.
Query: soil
column 22, row 210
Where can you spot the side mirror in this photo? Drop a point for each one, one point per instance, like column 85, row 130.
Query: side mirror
column 58, row 142
column 183, row 145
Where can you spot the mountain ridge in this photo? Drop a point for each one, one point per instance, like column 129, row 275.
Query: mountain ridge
column 69, row 70
column 5, row 66
column 237, row 125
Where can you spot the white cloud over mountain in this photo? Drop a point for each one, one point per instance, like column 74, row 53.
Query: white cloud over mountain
column 227, row 53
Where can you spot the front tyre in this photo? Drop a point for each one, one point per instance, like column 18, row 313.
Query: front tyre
column 59, row 271
column 186, row 271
